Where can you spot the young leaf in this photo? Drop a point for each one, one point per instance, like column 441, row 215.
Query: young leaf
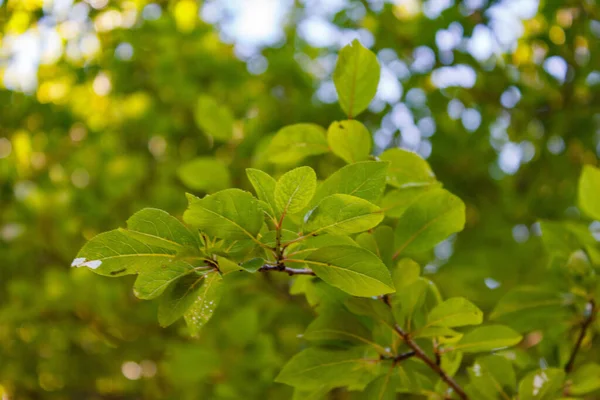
column 589, row 191
column 543, row 384
column 293, row 143
column 487, row 338
column 179, row 296
column 427, row 222
column 364, row 179
column 407, row 169
column 342, row 214
column 214, row 119
column 350, row 140
column 294, row 190
column 380, row 242
column 316, row 367
column 228, row 214
column 356, row 77
column 351, row 269
column 264, row 185
column 207, row 300
column 206, row 174
column 454, row 312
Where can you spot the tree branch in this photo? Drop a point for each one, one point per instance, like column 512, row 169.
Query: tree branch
column 399, row 357
column 419, row 353
column 287, row 270
column 591, row 307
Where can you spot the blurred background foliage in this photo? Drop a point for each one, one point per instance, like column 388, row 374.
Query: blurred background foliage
column 103, row 105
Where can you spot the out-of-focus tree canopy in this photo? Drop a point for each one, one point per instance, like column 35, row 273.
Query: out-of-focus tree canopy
column 107, row 107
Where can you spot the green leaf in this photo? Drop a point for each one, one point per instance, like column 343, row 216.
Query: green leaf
column 293, row 143
column 356, row 77
column 589, row 191
column 157, row 228
column 371, row 308
column 380, row 242
column 562, row 239
column 226, row 266
column 205, row 174
column 487, row 338
column 207, row 300
column 301, row 249
column 529, row 307
column 156, row 246
column 493, row 377
column 543, row 384
column 396, row 201
column 295, row 189
column 213, row 118
column 351, row 269
column 179, row 296
column 264, row 185
column 585, row 379
column 364, row 179
column 342, row 214
column 350, row 140
column 383, row 388
column 407, row 169
column 412, row 303
column 314, row 367
column 454, row 312
column 405, row 272
column 338, row 324
column 436, row 215
column 228, row 214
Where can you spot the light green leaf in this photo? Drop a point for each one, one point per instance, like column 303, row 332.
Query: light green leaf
column 316, row 367
column 407, row 169
column 179, row 296
column 436, row 331
column 228, row 214
column 356, row 77
column 454, row 312
column 436, row 215
column 589, row 191
column 207, row 300
column 293, row 143
column 153, row 281
column 294, row 190
column 206, row 174
column 351, row 269
column 383, row 388
column 364, row 179
column 342, row 214
column 493, row 377
column 543, row 384
column 487, row 338
column 213, row 118
column 396, row 201
column 226, row 266
column 585, row 379
column 349, row 140
column 405, row 272
column 264, row 185
column 301, row 249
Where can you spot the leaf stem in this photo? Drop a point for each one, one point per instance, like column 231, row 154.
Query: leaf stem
column 585, row 324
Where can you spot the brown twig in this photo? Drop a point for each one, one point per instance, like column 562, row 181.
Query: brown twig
column 419, row 353
column 287, row 270
column 591, row 308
